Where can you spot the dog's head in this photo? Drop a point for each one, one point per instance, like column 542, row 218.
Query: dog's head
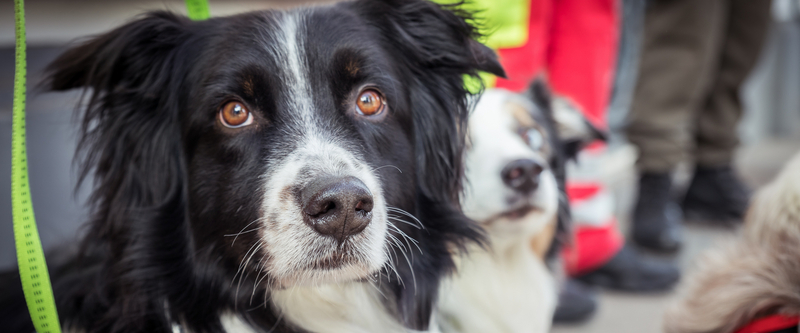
column 517, row 148
column 282, row 147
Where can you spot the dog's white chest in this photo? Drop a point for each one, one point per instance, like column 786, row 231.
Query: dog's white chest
column 347, row 308
column 498, row 293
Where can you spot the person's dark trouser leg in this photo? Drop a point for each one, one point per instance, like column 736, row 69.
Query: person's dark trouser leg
column 716, row 194
column 716, row 136
column 681, row 47
column 682, row 42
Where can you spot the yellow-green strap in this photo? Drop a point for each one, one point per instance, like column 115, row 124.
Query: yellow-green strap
column 198, row 9
column 30, row 256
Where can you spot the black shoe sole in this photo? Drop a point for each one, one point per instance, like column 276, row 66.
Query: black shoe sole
column 703, row 215
column 657, row 248
column 609, row 282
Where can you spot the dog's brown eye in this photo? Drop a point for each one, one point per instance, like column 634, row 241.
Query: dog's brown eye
column 234, row 115
column 370, row 103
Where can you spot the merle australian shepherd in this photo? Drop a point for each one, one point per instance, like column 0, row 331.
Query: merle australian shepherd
column 281, row 171
column 515, row 166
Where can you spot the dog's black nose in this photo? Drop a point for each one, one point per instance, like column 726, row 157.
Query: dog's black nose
column 522, row 175
column 337, row 206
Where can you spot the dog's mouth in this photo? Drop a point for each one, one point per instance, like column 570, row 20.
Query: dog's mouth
column 519, row 212
column 516, row 214
column 344, row 255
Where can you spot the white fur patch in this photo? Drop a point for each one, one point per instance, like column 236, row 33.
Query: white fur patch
column 499, row 291
column 508, row 288
column 235, row 324
column 293, row 246
column 353, row 307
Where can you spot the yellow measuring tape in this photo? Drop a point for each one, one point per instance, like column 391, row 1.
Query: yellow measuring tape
column 30, row 255
column 198, row 9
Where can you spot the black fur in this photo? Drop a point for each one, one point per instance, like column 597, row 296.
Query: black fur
column 565, row 150
column 168, row 183
column 539, row 92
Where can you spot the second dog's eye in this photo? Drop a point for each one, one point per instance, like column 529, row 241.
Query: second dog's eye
column 234, row 115
column 370, row 103
column 533, row 138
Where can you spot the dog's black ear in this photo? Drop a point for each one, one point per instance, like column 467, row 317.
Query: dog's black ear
column 125, row 57
column 128, row 138
column 432, row 36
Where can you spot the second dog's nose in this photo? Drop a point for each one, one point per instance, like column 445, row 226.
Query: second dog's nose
column 522, row 175
column 337, row 206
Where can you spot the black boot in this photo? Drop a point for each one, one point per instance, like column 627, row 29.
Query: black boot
column 716, row 195
column 656, row 218
column 629, row 271
column 576, row 303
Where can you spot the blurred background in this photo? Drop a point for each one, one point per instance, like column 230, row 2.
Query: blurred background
column 769, row 131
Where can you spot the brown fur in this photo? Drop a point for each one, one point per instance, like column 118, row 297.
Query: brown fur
column 542, row 241
column 756, row 275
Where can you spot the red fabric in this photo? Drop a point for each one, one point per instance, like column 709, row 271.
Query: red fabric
column 770, row 324
column 580, row 192
column 592, row 248
column 522, row 64
column 575, row 42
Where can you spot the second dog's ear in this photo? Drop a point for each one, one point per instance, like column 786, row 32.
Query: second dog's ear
column 574, row 130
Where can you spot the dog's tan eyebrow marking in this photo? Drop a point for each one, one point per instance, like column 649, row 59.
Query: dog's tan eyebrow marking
column 521, row 114
column 352, row 67
column 248, row 87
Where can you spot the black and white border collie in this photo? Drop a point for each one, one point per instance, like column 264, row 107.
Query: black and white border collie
column 280, row 171
column 515, row 166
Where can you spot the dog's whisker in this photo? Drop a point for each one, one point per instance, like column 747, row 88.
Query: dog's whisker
column 247, row 262
column 259, row 270
column 398, row 219
column 387, row 166
column 392, row 265
column 277, row 321
column 397, row 242
column 238, row 270
column 408, row 261
column 372, row 284
column 398, row 210
column 404, row 250
column 407, row 238
column 236, row 235
column 241, row 233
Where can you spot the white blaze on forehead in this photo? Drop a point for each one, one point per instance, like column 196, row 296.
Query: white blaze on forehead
column 292, row 245
column 295, row 55
column 291, row 41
